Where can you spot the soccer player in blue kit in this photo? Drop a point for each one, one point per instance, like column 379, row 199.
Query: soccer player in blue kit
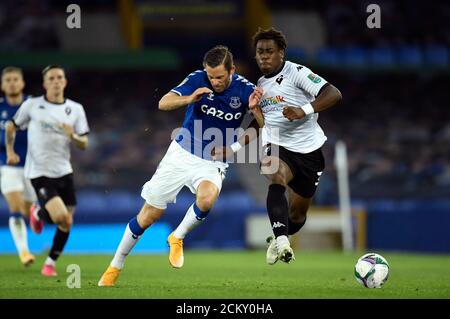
column 217, row 100
column 16, row 189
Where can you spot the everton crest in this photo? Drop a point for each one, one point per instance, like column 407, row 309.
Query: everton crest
column 235, row 102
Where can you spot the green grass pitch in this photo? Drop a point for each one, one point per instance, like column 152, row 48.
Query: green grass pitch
column 231, row 274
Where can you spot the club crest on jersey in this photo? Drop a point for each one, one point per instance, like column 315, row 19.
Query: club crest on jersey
column 4, row 114
column 235, row 102
column 279, row 79
column 68, row 110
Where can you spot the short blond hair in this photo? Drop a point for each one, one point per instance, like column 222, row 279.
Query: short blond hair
column 12, row 69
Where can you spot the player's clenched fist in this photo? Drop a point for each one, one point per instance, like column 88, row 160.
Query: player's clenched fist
column 253, row 104
column 255, row 98
column 293, row 113
column 197, row 94
column 12, row 158
column 221, row 153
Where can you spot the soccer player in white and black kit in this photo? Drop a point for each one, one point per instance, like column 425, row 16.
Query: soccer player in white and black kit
column 292, row 98
column 54, row 122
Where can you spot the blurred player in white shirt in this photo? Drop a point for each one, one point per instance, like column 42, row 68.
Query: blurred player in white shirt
column 54, row 122
column 292, row 98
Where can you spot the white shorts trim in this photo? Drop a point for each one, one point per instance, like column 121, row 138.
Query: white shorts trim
column 177, row 169
column 12, row 179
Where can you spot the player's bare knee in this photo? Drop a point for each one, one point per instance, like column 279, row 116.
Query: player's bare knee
column 205, row 203
column 59, row 219
column 297, row 216
column 66, row 222
column 277, row 178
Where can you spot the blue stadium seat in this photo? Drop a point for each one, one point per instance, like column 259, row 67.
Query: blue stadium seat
column 354, row 56
column 381, row 56
column 409, row 55
column 328, row 56
column 437, row 56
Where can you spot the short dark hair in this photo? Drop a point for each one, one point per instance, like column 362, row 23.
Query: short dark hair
column 11, row 69
column 218, row 55
column 51, row 67
column 270, row 34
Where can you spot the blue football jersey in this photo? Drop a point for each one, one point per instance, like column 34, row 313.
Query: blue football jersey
column 20, row 146
column 213, row 120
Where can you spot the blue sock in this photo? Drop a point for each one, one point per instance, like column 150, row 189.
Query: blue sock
column 16, row 215
column 199, row 214
column 135, row 228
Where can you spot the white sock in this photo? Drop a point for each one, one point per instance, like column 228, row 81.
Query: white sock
column 188, row 223
column 127, row 243
column 282, row 241
column 19, row 233
column 50, row 262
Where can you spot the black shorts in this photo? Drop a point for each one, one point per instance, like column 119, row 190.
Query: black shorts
column 46, row 188
column 306, row 169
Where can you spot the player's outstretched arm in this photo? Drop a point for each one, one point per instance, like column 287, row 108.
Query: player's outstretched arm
column 328, row 97
column 10, row 137
column 172, row 101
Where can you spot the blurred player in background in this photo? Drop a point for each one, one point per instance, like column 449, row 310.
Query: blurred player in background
column 292, row 98
column 216, row 100
column 16, row 189
column 54, row 122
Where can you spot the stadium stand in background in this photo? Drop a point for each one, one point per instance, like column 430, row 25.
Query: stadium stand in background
column 394, row 117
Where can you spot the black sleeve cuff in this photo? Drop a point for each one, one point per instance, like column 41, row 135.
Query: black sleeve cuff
column 322, row 88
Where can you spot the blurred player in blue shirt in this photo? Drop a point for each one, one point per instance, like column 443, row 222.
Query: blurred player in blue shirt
column 217, row 100
column 16, row 189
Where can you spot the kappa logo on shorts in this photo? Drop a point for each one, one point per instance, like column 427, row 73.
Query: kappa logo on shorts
column 43, row 192
column 318, row 178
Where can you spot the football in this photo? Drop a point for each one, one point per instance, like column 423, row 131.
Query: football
column 372, row 270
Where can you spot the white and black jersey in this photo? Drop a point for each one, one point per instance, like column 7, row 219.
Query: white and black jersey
column 48, row 146
column 295, row 85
